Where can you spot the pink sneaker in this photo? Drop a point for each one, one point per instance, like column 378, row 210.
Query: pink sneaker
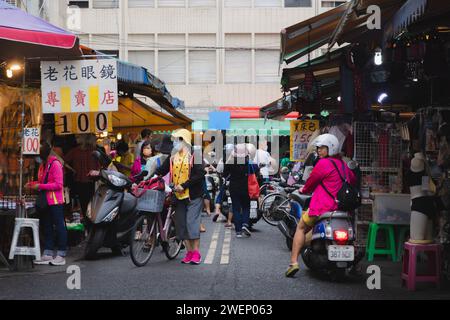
column 196, row 257
column 188, row 257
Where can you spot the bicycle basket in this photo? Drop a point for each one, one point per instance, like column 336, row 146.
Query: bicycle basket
column 151, row 200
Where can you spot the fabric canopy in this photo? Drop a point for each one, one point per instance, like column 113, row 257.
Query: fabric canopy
column 304, row 37
column 134, row 113
column 27, row 35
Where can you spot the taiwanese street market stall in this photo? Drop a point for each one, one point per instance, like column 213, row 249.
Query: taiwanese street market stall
column 29, row 103
column 386, row 92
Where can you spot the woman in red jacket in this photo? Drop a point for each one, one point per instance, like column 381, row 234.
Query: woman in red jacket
column 50, row 181
column 324, row 179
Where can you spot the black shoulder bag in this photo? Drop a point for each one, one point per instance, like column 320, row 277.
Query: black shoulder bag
column 348, row 197
column 41, row 201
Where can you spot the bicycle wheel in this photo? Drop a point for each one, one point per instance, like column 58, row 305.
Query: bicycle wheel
column 143, row 239
column 274, row 207
column 173, row 246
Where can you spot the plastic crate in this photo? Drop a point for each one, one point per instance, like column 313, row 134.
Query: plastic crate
column 392, row 208
column 151, row 200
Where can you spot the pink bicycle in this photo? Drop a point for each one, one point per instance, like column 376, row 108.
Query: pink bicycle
column 152, row 229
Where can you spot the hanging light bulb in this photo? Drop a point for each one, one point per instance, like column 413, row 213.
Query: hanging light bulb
column 119, row 136
column 9, row 73
column 378, row 58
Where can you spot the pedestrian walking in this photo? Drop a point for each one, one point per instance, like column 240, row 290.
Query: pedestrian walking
column 238, row 168
column 146, row 135
column 140, row 163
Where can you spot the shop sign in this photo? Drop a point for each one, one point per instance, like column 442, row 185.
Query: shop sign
column 31, row 141
column 301, row 134
column 87, row 122
column 79, row 86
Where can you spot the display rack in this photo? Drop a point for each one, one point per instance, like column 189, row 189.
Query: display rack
column 378, row 151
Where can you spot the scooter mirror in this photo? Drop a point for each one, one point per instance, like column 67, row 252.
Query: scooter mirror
column 102, row 158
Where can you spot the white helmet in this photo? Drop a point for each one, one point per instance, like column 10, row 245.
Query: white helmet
column 330, row 141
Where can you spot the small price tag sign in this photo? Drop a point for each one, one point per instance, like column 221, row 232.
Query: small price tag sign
column 31, row 141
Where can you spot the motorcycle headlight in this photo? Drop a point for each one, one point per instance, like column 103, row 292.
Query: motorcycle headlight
column 118, row 182
column 110, row 217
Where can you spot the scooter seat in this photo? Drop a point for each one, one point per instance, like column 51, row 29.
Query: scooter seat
column 334, row 215
column 302, row 199
column 129, row 203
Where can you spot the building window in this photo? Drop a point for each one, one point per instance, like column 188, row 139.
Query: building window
column 202, row 3
column 266, row 66
column 238, row 66
column 141, row 3
column 202, row 66
column 105, row 4
column 145, row 59
column 297, row 3
column 331, row 4
column 238, row 3
column 171, row 3
column 79, row 4
column 172, row 66
column 267, row 3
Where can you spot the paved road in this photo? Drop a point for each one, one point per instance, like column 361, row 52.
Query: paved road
column 253, row 269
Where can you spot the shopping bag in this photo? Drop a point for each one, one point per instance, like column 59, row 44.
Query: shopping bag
column 253, row 185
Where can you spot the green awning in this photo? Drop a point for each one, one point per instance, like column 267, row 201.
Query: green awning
column 249, row 126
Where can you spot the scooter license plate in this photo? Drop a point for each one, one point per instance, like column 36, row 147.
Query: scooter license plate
column 229, row 200
column 341, row 253
column 253, row 204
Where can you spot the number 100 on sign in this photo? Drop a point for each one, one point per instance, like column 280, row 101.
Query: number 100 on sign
column 89, row 122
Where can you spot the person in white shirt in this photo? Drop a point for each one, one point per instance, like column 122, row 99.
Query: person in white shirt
column 262, row 159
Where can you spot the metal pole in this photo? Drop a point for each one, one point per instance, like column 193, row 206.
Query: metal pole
column 21, row 208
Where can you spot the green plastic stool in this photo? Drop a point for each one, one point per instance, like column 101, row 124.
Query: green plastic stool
column 403, row 231
column 372, row 250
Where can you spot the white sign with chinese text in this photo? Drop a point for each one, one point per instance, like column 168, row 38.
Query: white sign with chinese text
column 79, row 86
column 31, row 141
column 301, row 133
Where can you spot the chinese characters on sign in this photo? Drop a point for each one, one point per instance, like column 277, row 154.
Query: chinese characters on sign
column 79, row 86
column 76, row 123
column 301, row 133
column 31, row 141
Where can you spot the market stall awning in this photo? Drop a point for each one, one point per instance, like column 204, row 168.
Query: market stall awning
column 28, row 36
column 306, row 36
column 247, row 126
column 279, row 108
column 134, row 113
column 325, row 67
column 353, row 24
column 249, row 112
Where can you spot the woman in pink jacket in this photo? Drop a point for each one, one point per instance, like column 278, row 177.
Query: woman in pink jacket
column 54, row 217
column 323, row 174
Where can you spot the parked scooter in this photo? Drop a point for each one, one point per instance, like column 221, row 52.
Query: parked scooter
column 112, row 210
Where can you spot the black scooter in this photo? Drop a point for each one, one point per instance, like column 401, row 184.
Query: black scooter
column 112, row 212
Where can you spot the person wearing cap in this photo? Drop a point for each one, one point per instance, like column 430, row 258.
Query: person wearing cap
column 323, row 183
column 238, row 167
column 186, row 175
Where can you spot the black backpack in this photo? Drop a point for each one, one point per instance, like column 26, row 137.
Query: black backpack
column 348, row 197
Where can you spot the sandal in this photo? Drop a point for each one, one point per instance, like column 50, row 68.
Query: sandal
column 292, row 270
column 228, row 225
column 216, row 216
column 202, row 228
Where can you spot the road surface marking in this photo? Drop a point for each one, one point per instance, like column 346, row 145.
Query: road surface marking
column 226, row 247
column 213, row 246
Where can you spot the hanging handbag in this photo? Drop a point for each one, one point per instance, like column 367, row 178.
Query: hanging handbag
column 41, row 201
column 253, row 185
